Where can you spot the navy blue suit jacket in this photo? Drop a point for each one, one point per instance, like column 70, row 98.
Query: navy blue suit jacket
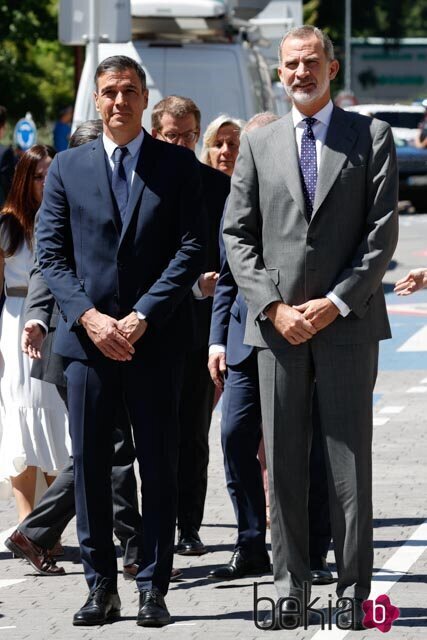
column 229, row 313
column 89, row 260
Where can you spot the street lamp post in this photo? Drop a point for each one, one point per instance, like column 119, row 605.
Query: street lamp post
column 347, row 39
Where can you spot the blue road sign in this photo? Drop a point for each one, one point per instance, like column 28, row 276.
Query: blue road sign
column 25, row 133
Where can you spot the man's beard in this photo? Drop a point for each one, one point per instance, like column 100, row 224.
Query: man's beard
column 301, row 97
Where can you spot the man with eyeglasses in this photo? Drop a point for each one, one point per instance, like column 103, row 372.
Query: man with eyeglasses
column 176, row 120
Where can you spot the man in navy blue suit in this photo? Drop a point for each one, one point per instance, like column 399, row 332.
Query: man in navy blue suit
column 241, row 434
column 120, row 244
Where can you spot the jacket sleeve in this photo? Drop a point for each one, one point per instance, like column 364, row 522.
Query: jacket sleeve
column 357, row 284
column 161, row 300
column 225, row 294
column 242, row 234
column 55, row 252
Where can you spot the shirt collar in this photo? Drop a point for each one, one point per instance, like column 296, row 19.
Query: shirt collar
column 133, row 146
column 323, row 116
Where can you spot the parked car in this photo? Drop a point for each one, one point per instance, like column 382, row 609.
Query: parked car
column 412, row 174
column 404, row 119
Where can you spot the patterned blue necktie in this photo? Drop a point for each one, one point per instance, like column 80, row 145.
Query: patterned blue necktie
column 118, row 181
column 308, row 164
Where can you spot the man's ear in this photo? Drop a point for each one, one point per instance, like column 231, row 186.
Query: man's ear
column 333, row 69
column 95, row 96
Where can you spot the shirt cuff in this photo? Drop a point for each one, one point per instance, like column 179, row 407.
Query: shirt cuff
column 342, row 307
column 41, row 323
column 197, row 292
column 140, row 315
column 216, row 348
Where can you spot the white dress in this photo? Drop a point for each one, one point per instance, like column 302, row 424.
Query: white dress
column 33, row 419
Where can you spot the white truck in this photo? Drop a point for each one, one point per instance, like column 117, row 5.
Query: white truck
column 208, row 50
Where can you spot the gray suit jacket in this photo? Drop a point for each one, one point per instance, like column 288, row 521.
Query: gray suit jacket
column 40, row 305
column 276, row 254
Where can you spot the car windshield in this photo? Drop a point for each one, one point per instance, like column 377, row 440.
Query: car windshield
column 401, row 119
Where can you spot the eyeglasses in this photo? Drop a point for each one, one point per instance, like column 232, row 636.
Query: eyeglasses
column 187, row 136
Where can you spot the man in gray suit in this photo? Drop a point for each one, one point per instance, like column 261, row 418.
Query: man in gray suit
column 310, row 229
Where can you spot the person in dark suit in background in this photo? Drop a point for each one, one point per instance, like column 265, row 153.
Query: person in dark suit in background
column 7, row 160
column 43, row 527
column 121, row 241
column 233, row 365
column 308, row 241
column 176, row 120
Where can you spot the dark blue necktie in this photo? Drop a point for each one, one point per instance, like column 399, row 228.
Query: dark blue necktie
column 308, row 164
column 118, row 181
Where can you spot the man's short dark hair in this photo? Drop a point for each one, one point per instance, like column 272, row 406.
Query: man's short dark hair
column 120, row 63
column 3, row 116
column 175, row 106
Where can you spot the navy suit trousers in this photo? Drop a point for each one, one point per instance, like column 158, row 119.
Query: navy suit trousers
column 149, row 388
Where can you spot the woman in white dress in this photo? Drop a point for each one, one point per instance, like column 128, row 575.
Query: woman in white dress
column 33, row 421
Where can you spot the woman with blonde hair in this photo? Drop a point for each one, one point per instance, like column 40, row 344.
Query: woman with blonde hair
column 221, row 143
column 33, row 422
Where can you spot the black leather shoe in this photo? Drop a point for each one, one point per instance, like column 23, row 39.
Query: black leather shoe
column 320, row 572
column 284, row 618
column 189, row 544
column 101, row 606
column 346, row 619
column 241, row 565
column 152, row 609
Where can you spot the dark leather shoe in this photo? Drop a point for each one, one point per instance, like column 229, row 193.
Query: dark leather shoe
column 320, row 572
column 40, row 559
column 241, row 565
column 130, row 571
column 152, row 609
column 101, row 606
column 189, row 544
column 284, row 618
column 347, row 620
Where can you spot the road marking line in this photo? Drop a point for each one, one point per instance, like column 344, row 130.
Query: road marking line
column 417, row 342
column 399, row 563
column 417, row 390
column 408, row 309
column 11, row 582
column 379, row 422
column 3, row 535
column 391, row 409
column 1, row 628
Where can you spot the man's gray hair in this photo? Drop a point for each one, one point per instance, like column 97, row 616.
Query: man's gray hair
column 260, row 120
column 306, row 32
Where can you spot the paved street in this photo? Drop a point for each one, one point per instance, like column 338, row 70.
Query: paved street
column 41, row 608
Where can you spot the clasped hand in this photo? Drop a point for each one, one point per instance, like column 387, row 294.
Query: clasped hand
column 300, row 323
column 114, row 338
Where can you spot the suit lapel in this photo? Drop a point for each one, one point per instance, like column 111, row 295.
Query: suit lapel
column 338, row 144
column 100, row 168
column 286, row 148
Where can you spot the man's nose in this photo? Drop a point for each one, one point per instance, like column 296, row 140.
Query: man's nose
column 301, row 69
column 120, row 98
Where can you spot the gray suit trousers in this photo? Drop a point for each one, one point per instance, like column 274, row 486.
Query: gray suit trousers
column 345, row 376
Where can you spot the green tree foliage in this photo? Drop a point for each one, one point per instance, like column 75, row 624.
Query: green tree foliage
column 381, row 18
column 36, row 71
